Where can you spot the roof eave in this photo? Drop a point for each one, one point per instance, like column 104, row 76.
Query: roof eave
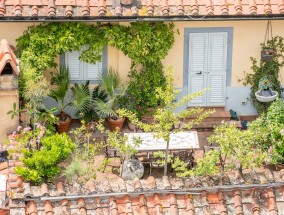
column 140, row 18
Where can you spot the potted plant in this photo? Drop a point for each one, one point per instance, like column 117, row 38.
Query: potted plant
column 83, row 101
column 265, row 93
column 111, row 84
column 61, row 83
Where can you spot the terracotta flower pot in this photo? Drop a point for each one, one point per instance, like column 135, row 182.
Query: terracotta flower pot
column 63, row 126
column 115, row 124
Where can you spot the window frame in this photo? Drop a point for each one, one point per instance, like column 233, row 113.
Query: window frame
column 104, row 67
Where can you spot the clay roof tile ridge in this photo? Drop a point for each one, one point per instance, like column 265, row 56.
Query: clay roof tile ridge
column 166, row 183
column 237, row 196
column 252, row 7
column 69, row 11
column 195, row 8
column 224, row 7
column 51, row 8
column 18, row 7
column 209, row 8
column 48, row 208
column 34, row 11
column 2, row 8
column 267, row 7
column 102, row 8
column 281, row 6
column 238, row 7
column 180, row 8
column 85, row 8
column 150, row 7
column 165, row 7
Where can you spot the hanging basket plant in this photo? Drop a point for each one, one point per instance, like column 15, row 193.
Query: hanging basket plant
column 265, row 93
column 268, row 53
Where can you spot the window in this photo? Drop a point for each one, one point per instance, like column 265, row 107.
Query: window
column 81, row 71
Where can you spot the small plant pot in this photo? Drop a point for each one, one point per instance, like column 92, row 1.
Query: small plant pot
column 63, row 126
column 262, row 98
column 267, row 55
column 115, row 124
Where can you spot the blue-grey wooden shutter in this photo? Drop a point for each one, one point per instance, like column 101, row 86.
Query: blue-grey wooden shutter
column 217, row 68
column 75, row 66
column 92, row 71
column 197, row 67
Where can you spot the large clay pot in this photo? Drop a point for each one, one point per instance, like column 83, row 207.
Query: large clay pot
column 63, row 126
column 114, row 124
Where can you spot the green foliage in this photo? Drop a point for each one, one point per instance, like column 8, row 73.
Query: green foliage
column 141, row 89
column 61, row 85
column 145, row 43
column 14, row 112
column 268, row 132
column 237, row 146
column 118, row 142
column 165, row 116
column 270, row 70
column 205, row 166
column 82, row 165
column 110, row 83
column 41, row 163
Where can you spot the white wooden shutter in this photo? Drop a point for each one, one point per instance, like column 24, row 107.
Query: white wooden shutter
column 197, row 67
column 217, row 68
column 93, row 71
column 75, row 66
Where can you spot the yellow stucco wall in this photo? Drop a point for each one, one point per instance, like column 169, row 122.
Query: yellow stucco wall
column 247, row 36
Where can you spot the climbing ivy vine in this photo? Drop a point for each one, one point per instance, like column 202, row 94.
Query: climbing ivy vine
column 271, row 70
column 145, row 43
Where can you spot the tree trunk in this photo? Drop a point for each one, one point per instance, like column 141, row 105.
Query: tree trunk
column 166, row 158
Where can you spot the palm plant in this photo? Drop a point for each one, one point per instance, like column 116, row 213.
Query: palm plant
column 111, row 85
column 84, row 101
column 61, row 82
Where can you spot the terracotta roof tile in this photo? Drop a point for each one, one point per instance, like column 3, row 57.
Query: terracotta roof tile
column 66, row 9
column 7, row 56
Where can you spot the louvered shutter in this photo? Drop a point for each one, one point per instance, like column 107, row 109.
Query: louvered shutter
column 217, row 68
column 93, row 71
column 197, row 67
column 75, row 66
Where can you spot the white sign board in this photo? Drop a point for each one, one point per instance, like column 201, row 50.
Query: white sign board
column 178, row 141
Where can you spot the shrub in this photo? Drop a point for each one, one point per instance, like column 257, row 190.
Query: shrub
column 41, row 164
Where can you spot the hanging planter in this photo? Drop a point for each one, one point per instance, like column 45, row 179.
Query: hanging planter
column 265, row 93
column 266, row 96
column 268, row 53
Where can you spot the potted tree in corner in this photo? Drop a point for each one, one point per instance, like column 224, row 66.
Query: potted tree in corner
column 61, row 83
column 265, row 93
column 111, row 85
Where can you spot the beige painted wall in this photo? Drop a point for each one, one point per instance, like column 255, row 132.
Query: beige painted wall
column 7, row 125
column 247, row 36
